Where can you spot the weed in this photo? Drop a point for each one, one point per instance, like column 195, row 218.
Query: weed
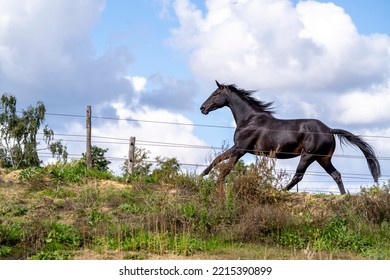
column 134, row 256
column 337, row 234
column 61, row 236
column 96, row 216
column 11, row 234
column 187, row 209
column 131, row 208
column 5, row 250
column 52, row 255
column 89, row 197
column 75, row 172
column 14, row 209
column 31, row 173
column 34, row 178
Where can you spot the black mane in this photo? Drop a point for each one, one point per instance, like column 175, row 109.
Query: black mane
column 256, row 104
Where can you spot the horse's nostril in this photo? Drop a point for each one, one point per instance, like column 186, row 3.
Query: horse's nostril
column 203, row 110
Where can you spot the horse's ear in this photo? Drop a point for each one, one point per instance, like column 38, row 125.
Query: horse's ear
column 218, row 84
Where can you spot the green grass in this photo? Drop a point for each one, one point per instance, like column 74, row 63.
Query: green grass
column 61, row 211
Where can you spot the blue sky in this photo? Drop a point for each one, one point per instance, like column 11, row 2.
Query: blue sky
column 157, row 60
column 142, row 28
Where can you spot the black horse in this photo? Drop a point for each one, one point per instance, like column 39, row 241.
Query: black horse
column 259, row 132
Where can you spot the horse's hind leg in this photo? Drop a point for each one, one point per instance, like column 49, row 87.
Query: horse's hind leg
column 226, row 168
column 332, row 171
column 226, row 155
column 306, row 160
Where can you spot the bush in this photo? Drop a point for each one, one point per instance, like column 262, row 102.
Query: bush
column 76, row 171
column 166, row 170
column 99, row 160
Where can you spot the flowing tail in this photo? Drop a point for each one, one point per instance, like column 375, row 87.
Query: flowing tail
column 368, row 151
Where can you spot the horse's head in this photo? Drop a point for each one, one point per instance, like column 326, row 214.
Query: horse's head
column 216, row 100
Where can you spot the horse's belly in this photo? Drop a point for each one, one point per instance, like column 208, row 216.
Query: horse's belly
column 287, row 155
column 283, row 150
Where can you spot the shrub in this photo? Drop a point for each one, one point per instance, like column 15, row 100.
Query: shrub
column 99, row 161
column 166, row 170
column 76, row 171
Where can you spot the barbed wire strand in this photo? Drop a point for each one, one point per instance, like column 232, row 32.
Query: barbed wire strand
column 192, row 146
column 190, row 124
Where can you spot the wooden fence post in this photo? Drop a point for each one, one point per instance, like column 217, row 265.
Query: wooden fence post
column 88, row 154
column 130, row 164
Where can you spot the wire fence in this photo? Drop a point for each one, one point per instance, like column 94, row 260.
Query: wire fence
column 310, row 176
column 186, row 124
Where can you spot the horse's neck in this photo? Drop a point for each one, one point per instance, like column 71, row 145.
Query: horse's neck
column 241, row 110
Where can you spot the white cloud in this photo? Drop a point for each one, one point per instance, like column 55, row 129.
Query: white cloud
column 327, row 25
column 359, row 107
column 138, row 82
column 42, row 35
column 309, row 110
column 274, row 45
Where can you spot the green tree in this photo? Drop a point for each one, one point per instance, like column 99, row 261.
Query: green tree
column 166, row 169
column 18, row 135
column 99, row 160
column 142, row 165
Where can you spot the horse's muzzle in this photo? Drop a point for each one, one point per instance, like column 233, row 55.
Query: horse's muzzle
column 204, row 110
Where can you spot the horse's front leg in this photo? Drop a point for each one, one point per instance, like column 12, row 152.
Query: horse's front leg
column 225, row 155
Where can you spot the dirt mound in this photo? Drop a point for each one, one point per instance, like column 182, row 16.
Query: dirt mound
column 104, row 184
column 9, row 177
